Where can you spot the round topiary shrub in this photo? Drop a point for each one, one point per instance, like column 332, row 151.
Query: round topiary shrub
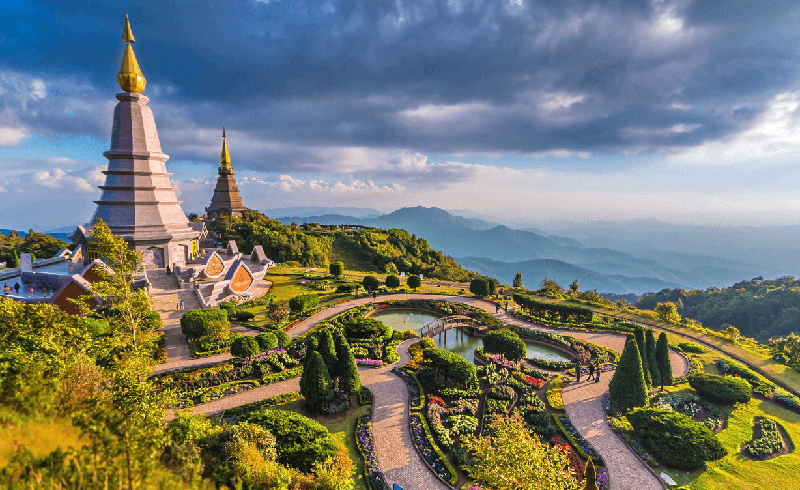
column 392, row 281
column 283, row 338
column 727, row 389
column 244, row 316
column 676, row 440
column 348, row 287
column 363, row 328
column 229, row 307
column 194, row 322
column 371, row 283
column 505, row 342
column 300, row 442
column 267, row 341
column 244, row 347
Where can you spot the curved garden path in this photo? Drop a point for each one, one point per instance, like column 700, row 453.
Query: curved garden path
column 396, row 454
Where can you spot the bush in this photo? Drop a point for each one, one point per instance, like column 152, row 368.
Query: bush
column 348, row 287
column 362, row 328
column 676, row 440
column 304, row 302
column 628, row 387
column 336, row 269
column 229, row 307
column 414, row 281
column 691, row 347
column 152, row 321
column 505, row 342
column 97, row 326
column 244, row 316
column 502, row 392
column 770, row 441
column 300, row 442
column 392, row 281
column 267, row 341
column 244, row 347
column 283, row 338
column 727, row 390
column 194, row 322
column 479, row 287
column 371, row 283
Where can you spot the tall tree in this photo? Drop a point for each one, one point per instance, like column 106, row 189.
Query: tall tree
column 518, row 281
column 514, row 458
column 574, row 287
column 628, row 387
column 350, row 381
column 641, row 344
column 327, row 349
column 662, row 358
column 315, row 384
column 652, row 364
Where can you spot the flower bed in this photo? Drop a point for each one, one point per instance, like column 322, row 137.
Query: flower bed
column 770, row 441
column 692, row 405
column 552, row 365
column 227, row 389
column 282, row 376
column 414, row 389
column 369, row 362
column 340, row 403
column 582, row 445
column 498, row 360
column 429, row 452
column 578, row 466
column 530, row 381
column 366, row 446
column 554, row 393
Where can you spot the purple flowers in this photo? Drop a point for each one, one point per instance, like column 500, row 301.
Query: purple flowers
column 366, row 445
column 425, row 448
column 369, row 362
column 413, row 388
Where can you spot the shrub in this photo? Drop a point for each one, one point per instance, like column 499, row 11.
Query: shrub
column 216, row 332
column 675, row 439
column 267, row 341
column 505, row 342
column 392, row 281
column 152, row 321
column 229, row 307
column 691, row 347
column 283, row 338
column 304, row 302
column 371, row 283
column 316, row 385
column 194, row 322
column 97, row 326
column 414, row 281
column 727, row 390
column 300, row 442
column 479, row 287
column 348, row 287
column 244, row 316
column 662, row 359
column 244, row 347
column 336, row 269
column 502, row 392
column 365, row 328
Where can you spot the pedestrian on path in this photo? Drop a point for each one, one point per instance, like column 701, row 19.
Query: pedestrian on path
column 16, row 288
column 597, row 373
column 6, row 289
column 30, row 291
column 591, row 371
column 168, row 270
column 578, row 371
column 182, row 305
column 496, row 307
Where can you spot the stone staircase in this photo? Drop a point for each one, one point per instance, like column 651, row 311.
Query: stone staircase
column 165, row 296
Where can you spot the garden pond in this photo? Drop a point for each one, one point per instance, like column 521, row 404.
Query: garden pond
column 454, row 340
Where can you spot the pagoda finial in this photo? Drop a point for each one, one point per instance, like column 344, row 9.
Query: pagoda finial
column 225, row 157
column 130, row 77
column 591, row 476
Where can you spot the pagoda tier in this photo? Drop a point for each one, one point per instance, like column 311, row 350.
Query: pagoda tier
column 226, row 200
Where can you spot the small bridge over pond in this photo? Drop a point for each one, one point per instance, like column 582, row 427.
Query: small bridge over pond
column 438, row 326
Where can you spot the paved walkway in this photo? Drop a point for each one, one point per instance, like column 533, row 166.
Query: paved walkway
column 396, row 454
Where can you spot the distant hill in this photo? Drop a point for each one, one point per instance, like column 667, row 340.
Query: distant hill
column 758, row 308
column 304, row 212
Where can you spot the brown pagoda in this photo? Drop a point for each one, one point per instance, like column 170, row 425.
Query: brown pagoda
column 226, row 200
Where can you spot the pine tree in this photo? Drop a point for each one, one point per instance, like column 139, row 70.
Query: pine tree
column 328, row 352
column 655, row 373
column 662, row 357
column 316, row 385
column 628, row 387
column 641, row 344
column 518, row 281
column 350, row 381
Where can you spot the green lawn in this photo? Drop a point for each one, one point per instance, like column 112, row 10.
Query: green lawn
column 343, row 430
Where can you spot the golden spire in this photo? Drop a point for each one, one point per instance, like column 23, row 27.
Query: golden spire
column 225, row 157
column 591, row 476
column 130, row 77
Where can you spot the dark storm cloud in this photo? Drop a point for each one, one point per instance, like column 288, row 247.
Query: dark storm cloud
column 449, row 76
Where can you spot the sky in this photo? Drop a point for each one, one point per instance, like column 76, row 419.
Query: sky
column 570, row 110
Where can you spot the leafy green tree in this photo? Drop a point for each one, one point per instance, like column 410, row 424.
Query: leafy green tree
column 551, row 288
column 513, row 457
column 628, row 387
column 371, row 283
column 283, row 338
column 574, row 287
column 652, row 364
column 662, row 358
column 245, row 346
column 641, row 344
column 505, row 342
column 277, row 312
column 788, row 347
column 392, row 281
column 414, row 282
column 732, row 334
column 217, row 331
column 391, row 269
column 337, row 269
column 315, row 384
column 479, row 287
column 668, row 312
column 518, row 281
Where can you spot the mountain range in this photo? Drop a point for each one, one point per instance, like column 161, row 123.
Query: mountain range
column 612, row 257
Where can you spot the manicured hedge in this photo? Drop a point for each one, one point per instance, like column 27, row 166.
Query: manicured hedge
column 727, row 389
column 505, row 342
column 244, row 347
column 300, row 442
column 676, row 440
column 565, row 312
column 267, row 341
column 304, row 302
column 194, row 322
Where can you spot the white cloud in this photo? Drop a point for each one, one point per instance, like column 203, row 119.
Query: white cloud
column 12, row 136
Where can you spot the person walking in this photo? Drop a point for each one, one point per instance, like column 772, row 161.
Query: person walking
column 168, row 270
column 182, row 305
column 16, row 288
column 597, row 373
column 497, row 308
column 578, row 371
column 30, row 291
column 591, row 371
column 6, row 289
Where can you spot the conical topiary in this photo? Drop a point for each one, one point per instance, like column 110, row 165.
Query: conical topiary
column 662, row 358
column 628, row 387
column 641, row 344
column 315, row 385
column 590, row 473
column 655, row 374
column 327, row 350
column 350, row 381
